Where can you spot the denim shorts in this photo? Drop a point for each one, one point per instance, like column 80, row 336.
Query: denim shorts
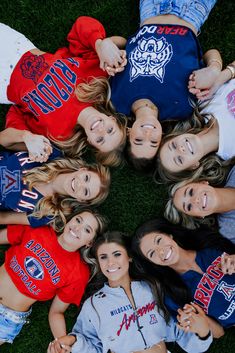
column 11, row 323
column 15, row 44
column 192, row 11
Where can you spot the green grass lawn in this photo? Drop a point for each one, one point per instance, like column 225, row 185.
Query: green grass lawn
column 133, row 198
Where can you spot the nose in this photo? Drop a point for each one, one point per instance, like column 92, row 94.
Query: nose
column 160, row 251
column 100, row 127
column 110, row 261
column 181, row 147
column 196, row 199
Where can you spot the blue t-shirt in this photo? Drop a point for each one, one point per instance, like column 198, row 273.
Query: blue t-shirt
column 213, row 291
column 160, row 61
column 15, row 194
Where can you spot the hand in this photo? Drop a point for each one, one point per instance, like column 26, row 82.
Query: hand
column 110, row 55
column 228, row 264
column 193, row 319
column 203, row 83
column 39, row 147
column 61, row 345
column 112, row 70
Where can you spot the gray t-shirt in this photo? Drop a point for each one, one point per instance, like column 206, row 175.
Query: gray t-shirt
column 226, row 220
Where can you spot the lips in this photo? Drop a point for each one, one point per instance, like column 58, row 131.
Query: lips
column 112, row 270
column 189, row 146
column 73, row 234
column 168, row 255
column 95, row 125
column 204, row 201
column 148, row 126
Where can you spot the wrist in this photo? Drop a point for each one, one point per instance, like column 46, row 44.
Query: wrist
column 231, row 69
column 204, row 337
column 215, row 63
column 73, row 338
column 98, row 44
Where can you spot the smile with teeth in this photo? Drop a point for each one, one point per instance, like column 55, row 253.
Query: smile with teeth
column 189, row 146
column 111, row 270
column 73, row 234
column 95, row 124
column 168, row 254
column 204, row 201
column 148, row 126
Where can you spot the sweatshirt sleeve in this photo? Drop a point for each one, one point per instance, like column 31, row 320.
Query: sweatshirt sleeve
column 85, row 330
column 83, row 35
column 188, row 341
column 16, row 118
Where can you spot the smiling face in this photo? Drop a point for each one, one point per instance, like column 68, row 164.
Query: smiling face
column 103, row 132
column 114, row 263
column 79, row 231
column 181, row 152
column 84, row 185
column 160, row 249
column 196, row 199
column 145, row 137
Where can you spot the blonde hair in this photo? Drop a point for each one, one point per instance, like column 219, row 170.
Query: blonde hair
column 60, row 206
column 97, row 92
column 175, row 216
column 211, row 166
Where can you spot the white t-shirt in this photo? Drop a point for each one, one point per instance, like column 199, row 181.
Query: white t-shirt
column 222, row 106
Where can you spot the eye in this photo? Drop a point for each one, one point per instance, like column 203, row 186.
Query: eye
column 86, row 192
column 103, row 257
column 173, row 145
column 151, row 254
column 138, row 140
column 100, row 139
column 158, row 240
column 78, row 219
column 86, row 178
column 191, row 192
column 189, row 207
column 180, row 160
column 110, row 130
column 117, row 254
column 87, row 230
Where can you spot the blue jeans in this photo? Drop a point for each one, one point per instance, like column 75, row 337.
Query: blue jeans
column 192, row 11
column 11, row 323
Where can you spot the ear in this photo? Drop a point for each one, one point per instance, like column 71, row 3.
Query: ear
column 89, row 245
column 195, row 166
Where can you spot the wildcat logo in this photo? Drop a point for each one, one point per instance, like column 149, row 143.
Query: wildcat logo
column 10, row 181
column 149, row 58
column 33, row 268
column 153, row 319
column 227, row 290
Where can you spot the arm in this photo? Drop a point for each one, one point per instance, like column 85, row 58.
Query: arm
column 56, row 317
column 200, row 81
column 3, row 236
column 85, row 337
column 11, row 217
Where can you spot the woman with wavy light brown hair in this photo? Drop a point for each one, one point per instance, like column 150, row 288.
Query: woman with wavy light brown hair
column 45, row 89
column 38, row 195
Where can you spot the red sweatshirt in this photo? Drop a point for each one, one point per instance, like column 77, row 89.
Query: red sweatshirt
column 43, row 86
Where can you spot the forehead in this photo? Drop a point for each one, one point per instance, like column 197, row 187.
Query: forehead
column 108, row 248
column 89, row 219
column 148, row 240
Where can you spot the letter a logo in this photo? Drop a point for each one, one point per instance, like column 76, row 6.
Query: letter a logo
column 10, row 181
column 227, row 290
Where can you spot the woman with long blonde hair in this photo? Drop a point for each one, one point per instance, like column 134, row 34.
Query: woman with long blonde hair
column 38, row 195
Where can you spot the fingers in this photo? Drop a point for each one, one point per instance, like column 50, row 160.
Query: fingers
column 56, row 347
column 228, row 264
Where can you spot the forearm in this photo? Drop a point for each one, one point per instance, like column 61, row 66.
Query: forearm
column 57, row 324
column 11, row 217
column 213, row 59
column 119, row 41
column 215, row 328
column 11, row 136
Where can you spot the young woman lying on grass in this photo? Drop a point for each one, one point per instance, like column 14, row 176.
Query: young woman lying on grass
column 162, row 55
column 192, row 202
column 191, row 265
column 192, row 145
column 41, row 265
column 45, row 88
column 123, row 316
column 40, row 194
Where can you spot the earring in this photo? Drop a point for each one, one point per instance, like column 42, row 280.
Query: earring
column 130, row 260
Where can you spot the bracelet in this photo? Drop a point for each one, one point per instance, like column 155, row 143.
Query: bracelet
column 205, row 337
column 231, row 68
column 216, row 61
column 151, row 106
